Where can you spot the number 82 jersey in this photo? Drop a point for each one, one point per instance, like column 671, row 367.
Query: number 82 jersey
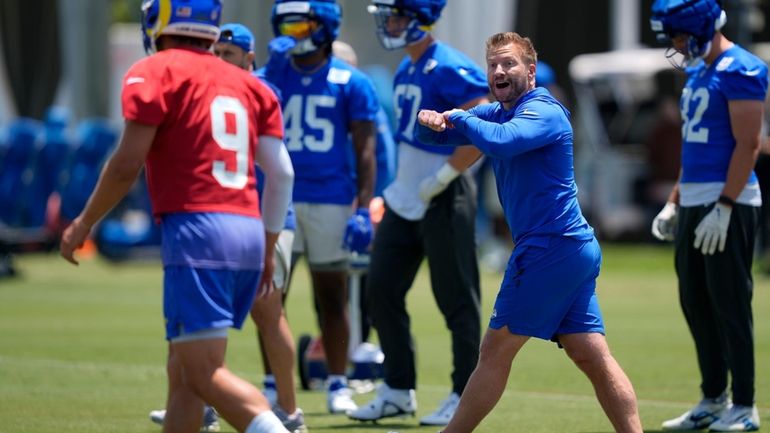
column 707, row 136
column 209, row 114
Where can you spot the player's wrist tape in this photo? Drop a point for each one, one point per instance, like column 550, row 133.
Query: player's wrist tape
column 447, row 173
column 726, row 200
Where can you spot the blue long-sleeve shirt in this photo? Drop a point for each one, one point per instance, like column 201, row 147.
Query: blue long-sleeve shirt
column 530, row 147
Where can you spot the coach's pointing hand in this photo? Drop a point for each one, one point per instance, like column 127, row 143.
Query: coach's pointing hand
column 432, row 119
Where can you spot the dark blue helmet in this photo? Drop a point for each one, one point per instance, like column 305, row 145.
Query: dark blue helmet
column 699, row 19
column 192, row 18
column 313, row 23
column 422, row 13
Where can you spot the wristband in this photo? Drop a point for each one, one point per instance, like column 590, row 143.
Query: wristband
column 726, row 200
column 447, row 173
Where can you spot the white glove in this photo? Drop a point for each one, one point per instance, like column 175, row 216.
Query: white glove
column 282, row 259
column 712, row 230
column 433, row 185
column 664, row 224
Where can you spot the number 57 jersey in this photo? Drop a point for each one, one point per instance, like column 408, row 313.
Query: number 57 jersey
column 209, row 114
column 707, row 135
column 318, row 108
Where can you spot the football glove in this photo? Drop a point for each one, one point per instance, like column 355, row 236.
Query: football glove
column 711, row 232
column 282, row 259
column 433, row 185
column 664, row 224
column 278, row 53
column 358, row 232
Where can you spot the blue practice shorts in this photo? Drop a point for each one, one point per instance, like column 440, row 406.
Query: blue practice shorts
column 195, row 299
column 551, row 290
column 212, row 264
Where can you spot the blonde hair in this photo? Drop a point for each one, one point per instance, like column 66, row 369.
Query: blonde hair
column 525, row 44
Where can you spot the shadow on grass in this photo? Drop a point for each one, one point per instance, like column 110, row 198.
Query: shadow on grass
column 645, row 431
column 394, row 427
column 342, row 423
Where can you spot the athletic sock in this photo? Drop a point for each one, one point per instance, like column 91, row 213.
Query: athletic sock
column 269, row 380
column 336, row 381
column 266, row 422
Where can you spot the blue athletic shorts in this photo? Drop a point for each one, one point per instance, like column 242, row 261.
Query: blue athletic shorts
column 550, row 290
column 212, row 264
column 195, row 299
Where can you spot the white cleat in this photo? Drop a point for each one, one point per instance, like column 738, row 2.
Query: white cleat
column 294, row 423
column 705, row 413
column 157, row 416
column 444, row 413
column 210, row 421
column 387, row 403
column 738, row 418
column 339, row 399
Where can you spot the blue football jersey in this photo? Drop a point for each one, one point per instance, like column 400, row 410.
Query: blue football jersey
column 317, row 110
column 442, row 79
column 707, row 136
column 385, row 153
column 260, row 74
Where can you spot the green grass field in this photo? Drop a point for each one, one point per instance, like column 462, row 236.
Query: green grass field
column 82, row 351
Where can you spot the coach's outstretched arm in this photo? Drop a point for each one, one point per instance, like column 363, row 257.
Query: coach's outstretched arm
column 526, row 131
column 433, row 128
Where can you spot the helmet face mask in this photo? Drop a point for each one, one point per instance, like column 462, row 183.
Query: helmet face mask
column 191, row 18
column 313, row 24
column 684, row 50
column 404, row 22
column 695, row 20
column 395, row 30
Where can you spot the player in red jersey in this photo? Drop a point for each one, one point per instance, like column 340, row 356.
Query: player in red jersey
column 198, row 124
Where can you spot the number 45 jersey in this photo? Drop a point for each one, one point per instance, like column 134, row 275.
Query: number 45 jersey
column 318, row 108
column 209, row 114
column 707, row 136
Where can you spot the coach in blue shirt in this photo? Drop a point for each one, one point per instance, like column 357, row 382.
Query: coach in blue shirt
column 548, row 290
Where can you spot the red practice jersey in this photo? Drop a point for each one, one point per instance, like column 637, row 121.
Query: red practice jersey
column 209, row 114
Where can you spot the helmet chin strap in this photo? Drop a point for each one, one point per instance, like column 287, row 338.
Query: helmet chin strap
column 718, row 24
column 395, row 42
column 418, row 40
column 694, row 59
